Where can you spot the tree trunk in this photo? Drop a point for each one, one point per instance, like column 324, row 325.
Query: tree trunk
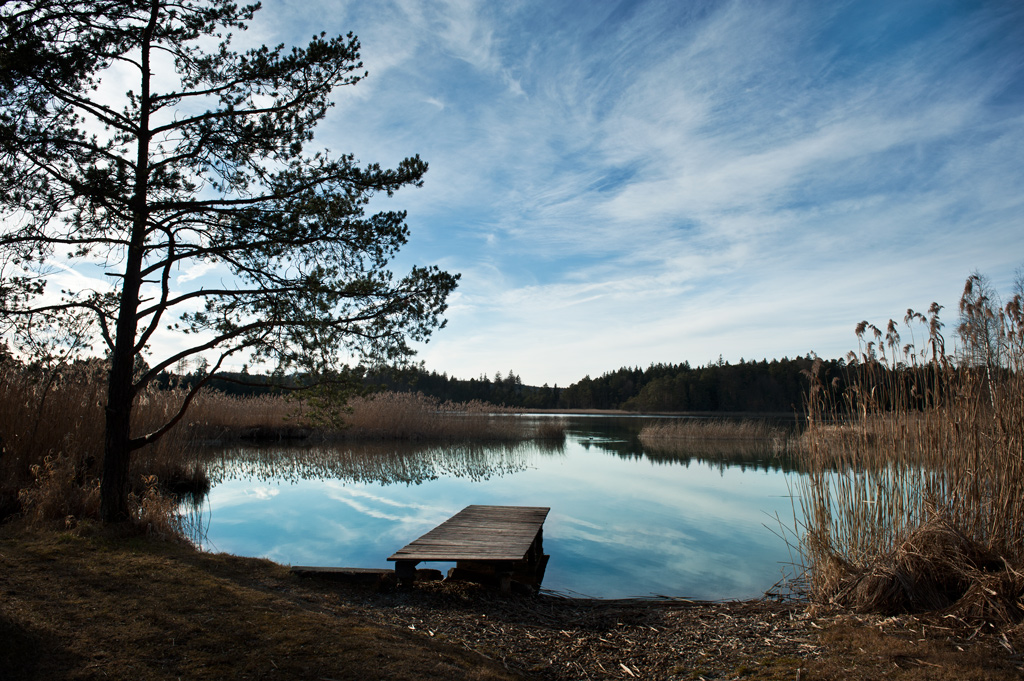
column 117, row 441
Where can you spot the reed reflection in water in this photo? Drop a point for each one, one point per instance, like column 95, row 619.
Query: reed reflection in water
column 385, row 463
column 623, row 523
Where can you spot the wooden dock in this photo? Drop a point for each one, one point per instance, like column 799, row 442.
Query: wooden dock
column 503, row 542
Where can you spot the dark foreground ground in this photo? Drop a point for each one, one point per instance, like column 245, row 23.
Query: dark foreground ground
column 88, row 605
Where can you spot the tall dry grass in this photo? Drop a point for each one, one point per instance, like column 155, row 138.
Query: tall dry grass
column 698, row 430
column 216, row 417
column 49, row 412
column 916, row 485
column 750, row 440
column 52, row 422
column 51, row 432
column 414, row 416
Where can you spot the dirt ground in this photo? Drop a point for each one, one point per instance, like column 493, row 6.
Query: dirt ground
column 558, row 638
column 87, row 605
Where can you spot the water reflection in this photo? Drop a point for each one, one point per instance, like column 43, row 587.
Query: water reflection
column 755, row 456
column 381, row 463
column 624, row 521
column 620, row 436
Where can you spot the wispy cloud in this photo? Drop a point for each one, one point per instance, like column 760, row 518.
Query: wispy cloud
column 406, row 516
column 628, row 182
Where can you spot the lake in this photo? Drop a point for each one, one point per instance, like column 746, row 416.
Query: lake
column 624, row 521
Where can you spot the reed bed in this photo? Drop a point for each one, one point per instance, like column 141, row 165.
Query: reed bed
column 51, row 432
column 749, row 441
column 216, row 417
column 698, row 430
column 414, row 416
column 52, row 423
column 51, row 438
column 915, row 495
column 48, row 413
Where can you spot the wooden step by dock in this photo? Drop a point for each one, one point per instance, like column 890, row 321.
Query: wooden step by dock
column 500, row 543
column 341, row 574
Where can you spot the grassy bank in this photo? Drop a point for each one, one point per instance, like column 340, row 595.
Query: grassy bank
column 84, row 607
column 412, row 416
column 378, row 416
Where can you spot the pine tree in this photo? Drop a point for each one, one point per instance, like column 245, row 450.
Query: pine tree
column 203, row 161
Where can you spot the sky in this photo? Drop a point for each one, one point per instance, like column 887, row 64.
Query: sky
column 624, row 183
column 627, row 183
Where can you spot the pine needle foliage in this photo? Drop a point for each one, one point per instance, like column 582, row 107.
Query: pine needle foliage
column 204, row 161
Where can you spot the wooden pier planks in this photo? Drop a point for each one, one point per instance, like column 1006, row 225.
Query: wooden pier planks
column 479, row 533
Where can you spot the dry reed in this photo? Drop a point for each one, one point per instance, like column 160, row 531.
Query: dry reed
column 49, row 413
column 216, row 417
column 51, row 443
column 750, row 441
column 414, row 416
column 915, row 496
column 712, row 429
column 60, row 492
column 52, row 421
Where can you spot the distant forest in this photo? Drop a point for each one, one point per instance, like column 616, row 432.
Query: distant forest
column 777, row 386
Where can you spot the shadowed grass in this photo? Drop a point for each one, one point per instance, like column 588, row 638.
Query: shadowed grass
column 79, row 607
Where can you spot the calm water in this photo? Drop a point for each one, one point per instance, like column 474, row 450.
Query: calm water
column 623, row 521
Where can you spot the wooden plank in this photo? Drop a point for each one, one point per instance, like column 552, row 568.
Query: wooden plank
column 488, row 533
column 316, row 570
column 341, row 574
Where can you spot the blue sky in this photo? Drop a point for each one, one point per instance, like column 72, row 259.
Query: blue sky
column 622, row 183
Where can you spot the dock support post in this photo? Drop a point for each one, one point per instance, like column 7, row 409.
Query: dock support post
column 405, row 571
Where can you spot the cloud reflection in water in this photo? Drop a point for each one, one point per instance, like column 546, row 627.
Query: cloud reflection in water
column 621, row 524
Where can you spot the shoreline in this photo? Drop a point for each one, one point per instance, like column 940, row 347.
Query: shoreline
column 754, row 415
column 90, row 602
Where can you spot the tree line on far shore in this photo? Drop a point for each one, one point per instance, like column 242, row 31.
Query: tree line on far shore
column 776, row 386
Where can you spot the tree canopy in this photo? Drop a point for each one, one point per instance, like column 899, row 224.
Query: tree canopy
column 203, row 161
